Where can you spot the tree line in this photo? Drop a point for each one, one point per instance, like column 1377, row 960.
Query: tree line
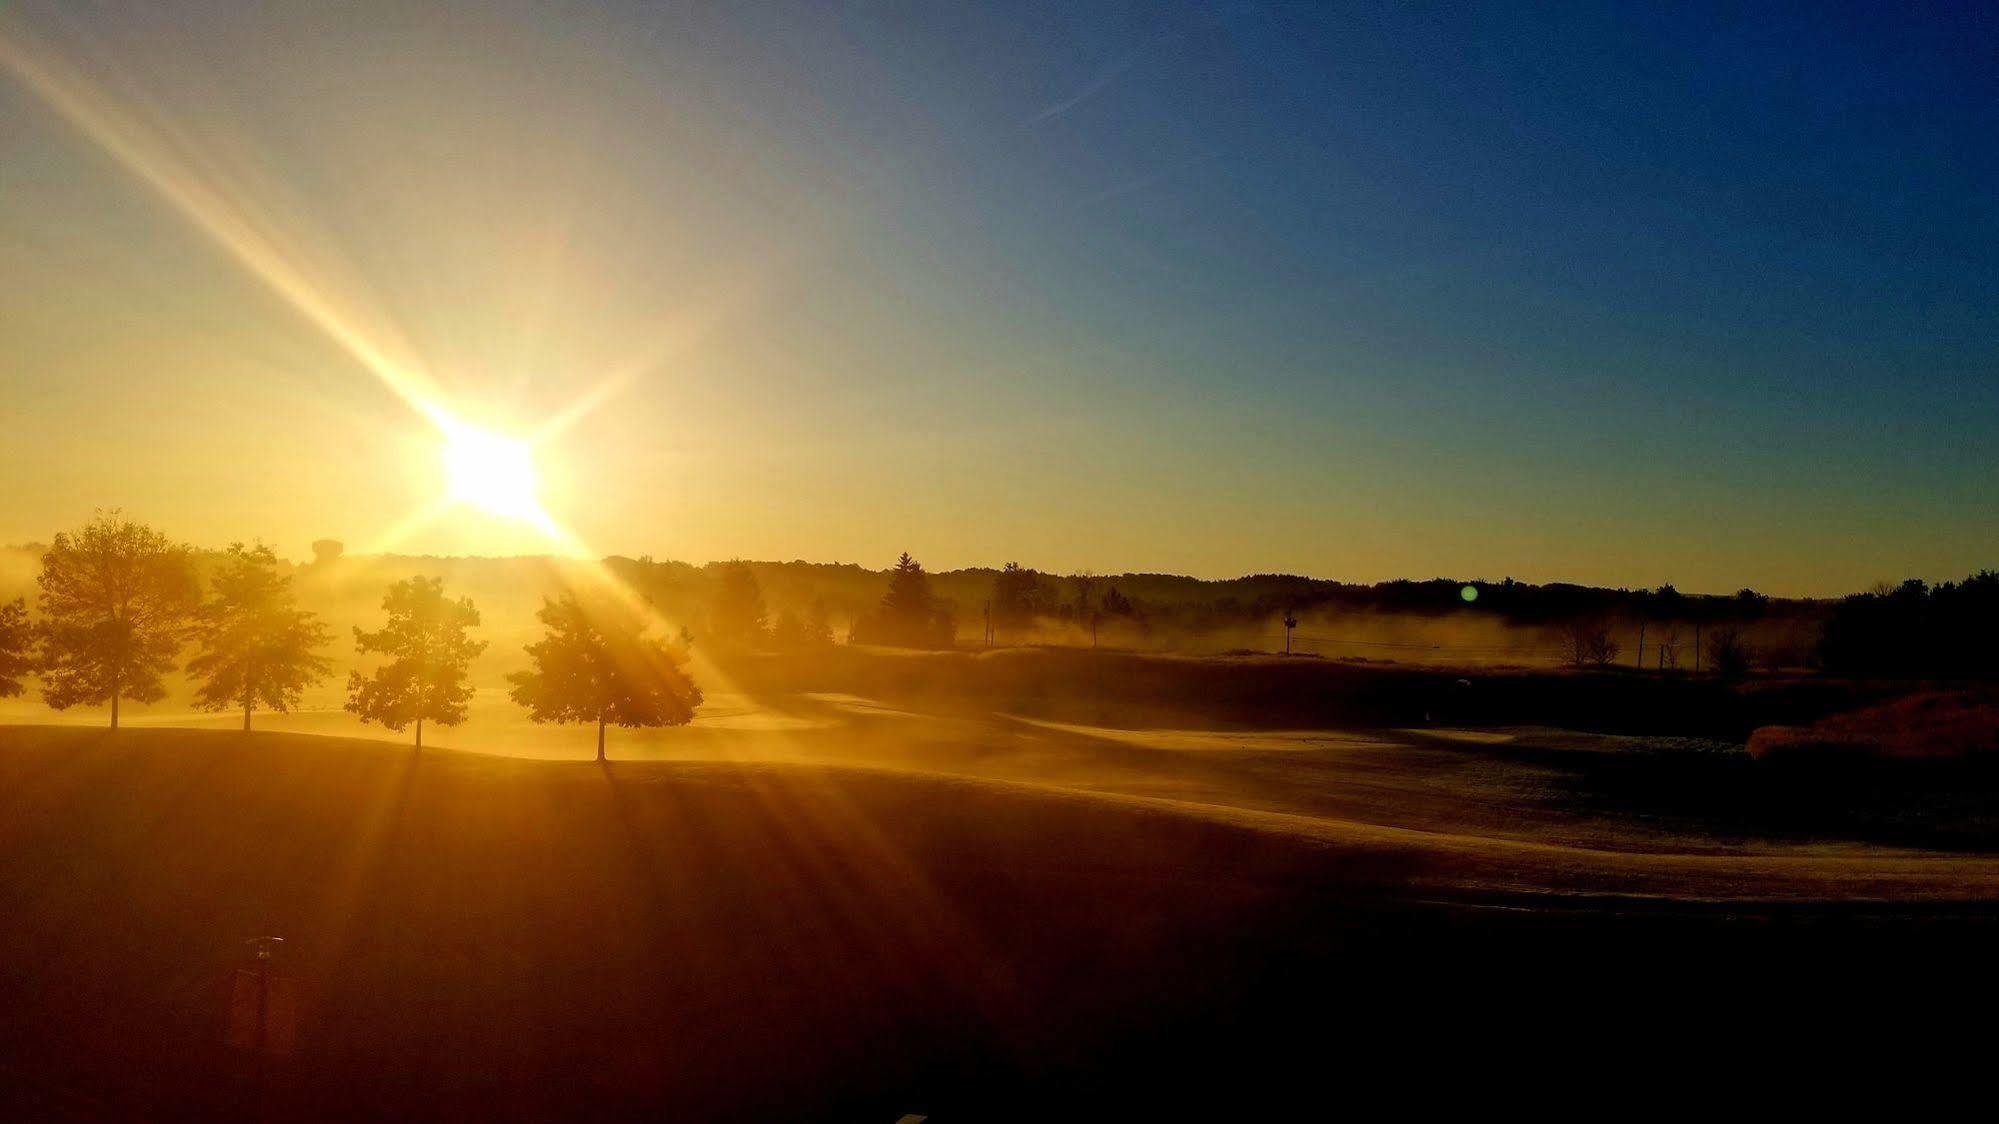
column 118, row 603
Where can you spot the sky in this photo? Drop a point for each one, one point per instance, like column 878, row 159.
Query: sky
column 1615, row 294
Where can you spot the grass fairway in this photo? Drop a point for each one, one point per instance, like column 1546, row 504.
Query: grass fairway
column 484, row 937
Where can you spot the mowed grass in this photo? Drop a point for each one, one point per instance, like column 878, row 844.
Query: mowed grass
column 484, row 937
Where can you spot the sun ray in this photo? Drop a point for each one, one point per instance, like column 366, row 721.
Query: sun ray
column 149, row 157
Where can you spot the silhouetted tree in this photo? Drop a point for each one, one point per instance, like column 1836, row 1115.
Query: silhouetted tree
column 17, row 647
column 1669, row 647
column 1727, row 655
column 326, row 550
column 1590, row 642
column 797, row 632
column 1916, row 629
column 1117, row 604
column 256, row 643
column 908, row 615
column 787, row 632
column 1290, row 622
column 114, row 599
column 1017, row 596
column 596, row 664
column 428, row 656
column 908, row 598
column 1086, row 588
column 818, row 626
column 737, row 613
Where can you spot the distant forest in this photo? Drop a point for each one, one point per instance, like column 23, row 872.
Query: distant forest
column 1197, row 603
column 1913, row 628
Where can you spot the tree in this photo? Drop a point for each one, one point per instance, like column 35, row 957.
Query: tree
column 908, row 600
column 256, row 644
column 1669, row 647
column 908, row 615
column 786, row 630
column 325, row 551
column 17, row 647
column 1017, row 596
column 428, row 655
column 1727, row 654
column 1117, row 604
column 798, row 632
column 114, row 598
column 1290, row 622
column 818, row 626
column 1590, row 643
column 1086, row 587
column 596, row 664
column 737, row 614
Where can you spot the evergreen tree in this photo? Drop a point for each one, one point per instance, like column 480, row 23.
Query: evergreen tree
column 596, row 664
column 256, row 644
column 114, row 598
column 1117, row 604
column 908, row 605
column 428, row 656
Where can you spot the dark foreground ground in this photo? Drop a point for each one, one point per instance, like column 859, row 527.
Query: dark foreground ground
column 484, row 938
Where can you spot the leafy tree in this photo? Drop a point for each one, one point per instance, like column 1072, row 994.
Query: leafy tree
column 1086, row 586
column 428, row 655
column 17, row 647
column 596, row 664
column 1290, row 622
column 114, row 598
column 1017, row 596
column 818, row 626
column 256, row 644
column 802, row 631
column 1727, row 653
column 1916, row 629
column 325, row 551
column 787, row 632
column 737, row 614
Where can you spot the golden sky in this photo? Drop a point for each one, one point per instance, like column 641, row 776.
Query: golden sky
column 791, row 284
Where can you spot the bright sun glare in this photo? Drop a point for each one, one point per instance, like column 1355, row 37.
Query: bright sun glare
column 491, row 472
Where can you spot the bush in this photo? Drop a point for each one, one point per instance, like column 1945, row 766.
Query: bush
column 1590, row 642
column 1727, row 654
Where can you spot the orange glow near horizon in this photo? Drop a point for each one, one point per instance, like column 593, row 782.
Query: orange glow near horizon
column 486, row 471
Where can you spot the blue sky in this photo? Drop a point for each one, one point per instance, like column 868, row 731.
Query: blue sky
column 1602, row 293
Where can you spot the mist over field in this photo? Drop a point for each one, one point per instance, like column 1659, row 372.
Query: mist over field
column 1120, row 560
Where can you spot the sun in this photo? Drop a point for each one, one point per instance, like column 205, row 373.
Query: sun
column 490, row 472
